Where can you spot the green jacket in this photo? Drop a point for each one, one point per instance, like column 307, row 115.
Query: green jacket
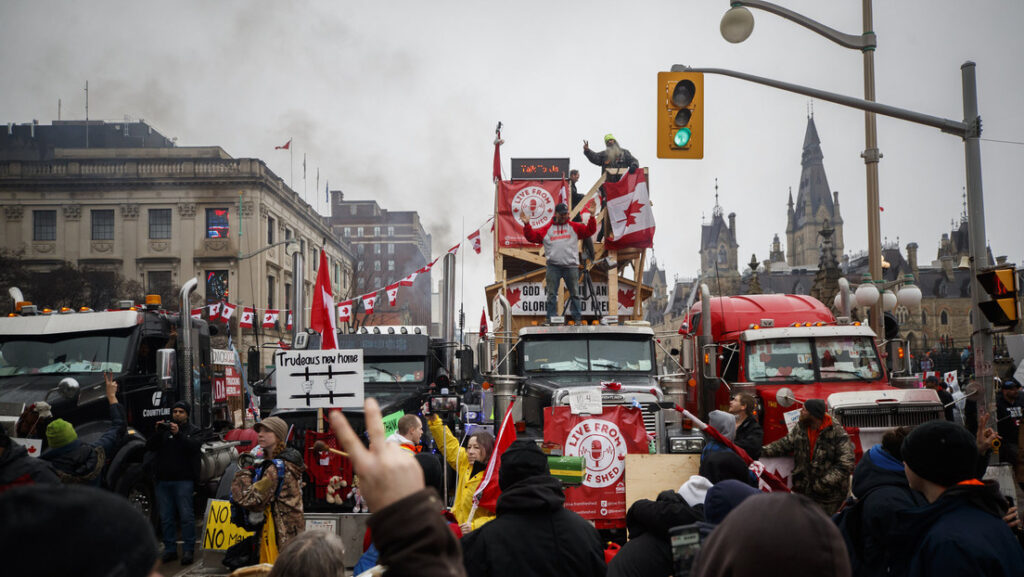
column 826, row 477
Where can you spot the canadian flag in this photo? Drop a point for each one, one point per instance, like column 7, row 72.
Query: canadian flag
column 453, row 250
column 226, row 310
column 392, row 290
column 487, row 493
column 247, row 315
column 483, row 324
column 345, row 311
column 213, row 311
column 562, row 195
column 629, row 211
column 289, row 326
column 270, row 318
column 409, row 280
column 197, row 313
column 474, row 237
column 284, row 146
column 322, row 318
column 368, row 302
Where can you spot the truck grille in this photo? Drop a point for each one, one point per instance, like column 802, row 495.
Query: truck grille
column 888, row 417
column 650, row 416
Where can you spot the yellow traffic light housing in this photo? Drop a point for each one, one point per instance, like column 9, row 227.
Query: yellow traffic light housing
column 1001, row 286
column 681, row 115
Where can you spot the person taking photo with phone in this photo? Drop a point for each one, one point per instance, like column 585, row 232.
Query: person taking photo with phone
column 176, row 446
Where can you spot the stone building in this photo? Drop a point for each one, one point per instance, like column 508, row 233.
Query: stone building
column 719, row 261
column 814, row 204
column 135, row 204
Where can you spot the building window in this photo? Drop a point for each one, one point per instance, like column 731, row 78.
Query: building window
column 348, row 231
column 216, row 223
column 271, row 223
column 352, row 210
column 271, row 285
column 159, row 283
column 376, row 266
column 359, row 231
column 376, row 249
column 391, row 265
column 287, row 234
column 159, row 223
column 723, row 256
column 376, row 231
column 902, row 314
column 391, row 231
column 216, row 286
column 287, row 296
column 360, row 283
column 391, row 248
column 103, row 225
column 360, row 248
column 924, row 317
column 943, row 318
column 44, row 225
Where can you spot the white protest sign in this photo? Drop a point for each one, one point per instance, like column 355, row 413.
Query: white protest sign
column 319, row 379
column 585, row 401
column 529, row 298
column 791, row 418
column 33, row 446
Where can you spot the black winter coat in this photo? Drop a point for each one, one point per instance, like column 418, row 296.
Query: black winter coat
column 18, row 468
column 648, row 551
column 750, row 437
column 176, row 456
column 534, row 535
column 80, row 462
column 961, row 533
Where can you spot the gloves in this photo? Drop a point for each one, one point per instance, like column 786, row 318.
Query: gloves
column 632, row 169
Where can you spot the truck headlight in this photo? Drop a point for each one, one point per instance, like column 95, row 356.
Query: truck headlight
column 685, row 444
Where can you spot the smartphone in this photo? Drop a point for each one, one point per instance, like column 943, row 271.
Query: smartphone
column 444, row 403
column 685, row 541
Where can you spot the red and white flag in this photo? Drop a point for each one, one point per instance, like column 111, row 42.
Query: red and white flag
column 345, row 311
column 483, row 324
column 453, row 250
column 248, row 313
column 487, row 493
column 322, row 318
column 270, row 318
column 284, row 146
column 563, row 196
column 392, row 290
column 630, row 214
column 474, row 238
column 213, row 311
column 368, row 302
column 226, row 310
column 496, row 171
column 409, row 280
column 288, row 327
column 197, row 313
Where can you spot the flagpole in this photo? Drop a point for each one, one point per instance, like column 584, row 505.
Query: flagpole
column 291, row 166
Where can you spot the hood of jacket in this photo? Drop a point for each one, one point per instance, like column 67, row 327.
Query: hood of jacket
column 293, row 457
column 540, row 493
column 724, row 422
column 76, row 458
column 876, row 469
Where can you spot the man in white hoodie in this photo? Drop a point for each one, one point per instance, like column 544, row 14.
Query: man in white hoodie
column 410, row 430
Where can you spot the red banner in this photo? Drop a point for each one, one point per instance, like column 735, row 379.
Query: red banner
column 232, row 382
column 603, row 441
column 537, row 198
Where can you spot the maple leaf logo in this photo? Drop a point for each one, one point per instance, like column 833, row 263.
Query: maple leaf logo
column 513, row 296
column 632, row 211
column 627, row 297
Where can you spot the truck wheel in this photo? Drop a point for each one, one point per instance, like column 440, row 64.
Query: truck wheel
column 139, row 491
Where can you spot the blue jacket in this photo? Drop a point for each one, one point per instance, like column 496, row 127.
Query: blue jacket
column 961, row 533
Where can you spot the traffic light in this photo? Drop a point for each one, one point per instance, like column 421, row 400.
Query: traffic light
column 681, row 115
column 1001, row 286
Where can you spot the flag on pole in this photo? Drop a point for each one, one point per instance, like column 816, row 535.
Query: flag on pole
column 345, row 311
column 213, row 311
column 496, row 172
column 303, row 166
column 474, row 238
column 246, row 319
column 327, row 191
column 285, row 146
column 288, row 327
column 562, row 196
column 197, row 313
column 483, row 324
column 487, row 493
column 226, row 310
column 322, row 317
column 392, row 290
column 629, row 211
column 270, row 317
column 368, row 302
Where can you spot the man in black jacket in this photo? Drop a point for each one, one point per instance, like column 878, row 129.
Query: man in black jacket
column 749, row 434
column 175, row 464
column 18, row 468
column 533, row 533
column 613, row 156
column 75, row 461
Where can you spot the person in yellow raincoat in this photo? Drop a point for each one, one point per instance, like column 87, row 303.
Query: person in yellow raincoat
column 470, row 464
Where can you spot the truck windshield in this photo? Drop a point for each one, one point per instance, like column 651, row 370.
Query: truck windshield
column 574, row 355
column 811, row 360
column 67, row 353
column 392, row 371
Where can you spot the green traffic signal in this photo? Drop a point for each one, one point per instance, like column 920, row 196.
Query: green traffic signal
column 682, row 137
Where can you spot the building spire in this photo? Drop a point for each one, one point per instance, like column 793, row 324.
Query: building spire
column 963, row 213
column 717, row 211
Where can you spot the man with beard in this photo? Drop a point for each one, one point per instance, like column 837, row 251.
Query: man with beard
column 613, row 156
column 822, row 456
column 175, row 445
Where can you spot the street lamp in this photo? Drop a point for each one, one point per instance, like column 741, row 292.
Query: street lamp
column 867, row 294
column 737, row 25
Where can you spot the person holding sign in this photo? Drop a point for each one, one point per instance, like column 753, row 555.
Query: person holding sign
column 273, row 487
column 470, row 463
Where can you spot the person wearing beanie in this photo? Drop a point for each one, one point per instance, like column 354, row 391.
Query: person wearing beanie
column 822, row 456
column 75, row 530
column 961, row 531
column 649, row 549
column 75, row 461
column 273, row 487
column 533, row 534
column 933, row 382
column 560, row 239
column 175, row 445
column 612, row 159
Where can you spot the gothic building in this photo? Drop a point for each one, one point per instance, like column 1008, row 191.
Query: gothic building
column 719, row 262
column 814, row 204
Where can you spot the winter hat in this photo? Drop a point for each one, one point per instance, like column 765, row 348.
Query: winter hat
column 816, row 407
column 182, row 405
column 608, row 137
column 694, row 490
column 724, row 422
column 722, row 465
column 1011, row 384
column 724, row 497
column 561, row 208
column 60, row 433
column 275, row 425
column 101, row 534
column 941, row 452
column 520, row 460
column 431, row 470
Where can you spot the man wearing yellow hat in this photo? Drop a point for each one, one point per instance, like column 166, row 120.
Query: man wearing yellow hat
column 613, row 156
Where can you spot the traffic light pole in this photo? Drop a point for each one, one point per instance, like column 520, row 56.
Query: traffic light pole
column 970, row 131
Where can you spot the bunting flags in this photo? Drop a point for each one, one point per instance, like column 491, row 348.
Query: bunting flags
column 289, row 326
column 474, row 238
column 345, row 311
column 247, row 315
column 368, row 302
column 452, row 250
column 322, row 317
column 213, row 311
column 392, row 291
column 226, row 310
column 270, row 318
column 409, row 280
column 197, row 313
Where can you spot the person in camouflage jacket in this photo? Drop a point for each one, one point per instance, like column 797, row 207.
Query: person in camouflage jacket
column 822, row 456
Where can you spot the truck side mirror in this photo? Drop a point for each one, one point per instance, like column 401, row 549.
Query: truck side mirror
column 709, row 361
column 165, row 366
column 252, row 365
column 897, row 357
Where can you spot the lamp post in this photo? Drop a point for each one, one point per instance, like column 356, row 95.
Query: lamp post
column 736, row 26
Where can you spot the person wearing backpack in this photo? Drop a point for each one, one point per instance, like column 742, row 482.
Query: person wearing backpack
column 273, row 487
column 881, row 492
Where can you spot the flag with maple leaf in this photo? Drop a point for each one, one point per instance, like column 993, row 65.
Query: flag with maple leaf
column 630, row 214
column 474, row 239
column 270, row 318
column 368, row 302
column 345, row 311
column 513, row 296
column 226, row 310
column 627, row 298
column 392, row 290
column 213, row 311
column 197, row 313
column 288, row 326
column 246, row 319
column 409, row 280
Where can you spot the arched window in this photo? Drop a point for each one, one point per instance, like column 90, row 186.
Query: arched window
column 924, row 317
column 723, row 255
column 944, row 318
column 902, row 314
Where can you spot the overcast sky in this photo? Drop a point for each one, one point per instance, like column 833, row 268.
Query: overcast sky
column 397, row 101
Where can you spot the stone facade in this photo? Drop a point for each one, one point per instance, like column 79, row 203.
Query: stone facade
column 814, row 204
